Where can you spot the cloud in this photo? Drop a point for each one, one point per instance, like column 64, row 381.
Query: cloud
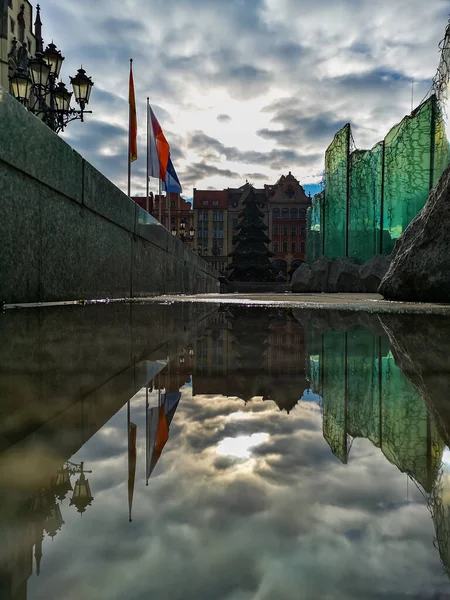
column 267, row 83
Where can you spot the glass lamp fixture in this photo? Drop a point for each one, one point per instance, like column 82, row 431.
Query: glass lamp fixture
column 61, row 484
column 20, row 86
column 54, row 59
column 82, row 496
column 174, row 230
column 82, row 86
column 40, row 71
column 192, row 232
column 182, row 227
column 54, row 521
column 62, row 98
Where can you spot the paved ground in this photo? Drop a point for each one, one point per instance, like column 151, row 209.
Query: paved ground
column 353, row 302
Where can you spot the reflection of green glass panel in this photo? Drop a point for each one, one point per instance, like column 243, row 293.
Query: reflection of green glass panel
column 336, row 178
column 440, row 511
column 409, row 439
column 365, row 202
column 333, row 393
column 406, row 172
column 314, row 239
column 363, row 386
column 441, row 147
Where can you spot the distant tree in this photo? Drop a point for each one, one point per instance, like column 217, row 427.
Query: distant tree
column 250, row 258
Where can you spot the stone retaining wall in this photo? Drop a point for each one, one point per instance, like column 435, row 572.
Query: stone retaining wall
column 68, row 233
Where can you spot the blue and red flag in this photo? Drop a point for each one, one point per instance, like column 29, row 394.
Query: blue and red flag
column 172, row 183
column 159, row 149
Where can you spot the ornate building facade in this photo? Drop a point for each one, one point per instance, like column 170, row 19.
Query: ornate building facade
column 16, row 30
column 284, row 206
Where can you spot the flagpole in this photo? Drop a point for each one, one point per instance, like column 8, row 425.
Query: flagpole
column 129, row 140
column 147, row 203
column 146, row 432
column 160, row 198
column 168, row 209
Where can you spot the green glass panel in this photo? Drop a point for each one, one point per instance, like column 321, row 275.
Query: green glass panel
column 314, row 239
column 366, row 171
column 441, row 146
column 406, row 172
column 363, row 386
column 409, row 438
column 336, row 178
column 333, row 393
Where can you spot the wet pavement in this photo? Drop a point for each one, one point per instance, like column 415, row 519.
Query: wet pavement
column 230, row 451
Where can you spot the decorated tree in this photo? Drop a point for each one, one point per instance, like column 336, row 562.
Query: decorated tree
column 251, row 255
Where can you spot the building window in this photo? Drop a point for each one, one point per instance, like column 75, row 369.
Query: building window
column 293, row 230
column 285, row 213
column 217, row 215
column 285, row 229
column 294, row 213
column 302, row 230
column 302, row 247
column 215, row 203
column 12, row 24
column 293, row 247
column 302, row 213
column 202, row 216
column 205, row 202
column 276, row 213
column 275, row 247
column 172, row 204
column 234, row 223
column 276, row 230
column 285, row 247
column 29, row 45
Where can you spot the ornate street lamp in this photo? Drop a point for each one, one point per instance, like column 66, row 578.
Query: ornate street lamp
column 54, row 521
column 82, row 496
column 34, row 84
column 20, row 86
column 61, row 484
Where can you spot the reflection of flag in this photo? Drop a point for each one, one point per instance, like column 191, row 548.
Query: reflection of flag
column 159, row 420
column 159, row 149
column 132, row 119
column 131, row 465
column 172, row 183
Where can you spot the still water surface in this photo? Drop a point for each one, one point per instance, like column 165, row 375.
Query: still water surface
column 260, row 453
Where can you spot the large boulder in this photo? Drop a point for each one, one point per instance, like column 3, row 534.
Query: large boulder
column 372, row 272
column 420, row 267
column 301, row 279
column 343, row 276
column 320, row 270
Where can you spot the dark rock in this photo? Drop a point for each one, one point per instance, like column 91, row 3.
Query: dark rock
column 372, row 272
column 320, row 270
column 343, row 276
column 420, row 267
column 301, row 279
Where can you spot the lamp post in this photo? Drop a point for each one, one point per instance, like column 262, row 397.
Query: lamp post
column 183, row 234
column 34, row 84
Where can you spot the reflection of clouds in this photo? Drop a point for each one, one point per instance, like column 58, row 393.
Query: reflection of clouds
column 240, row 446
column 297, row 520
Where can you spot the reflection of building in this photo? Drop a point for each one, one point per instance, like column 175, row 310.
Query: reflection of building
column 284, row 206
column 16, row 29
column 250, row 352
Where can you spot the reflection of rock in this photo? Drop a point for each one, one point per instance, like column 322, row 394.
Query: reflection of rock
column 340, row 275
column 420, row 345
column 338, row 320
column 420, row 269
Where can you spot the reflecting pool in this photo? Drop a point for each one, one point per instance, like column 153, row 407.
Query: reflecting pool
column 230, row 452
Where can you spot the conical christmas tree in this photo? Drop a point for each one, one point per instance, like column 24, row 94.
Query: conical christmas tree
column 251, row 255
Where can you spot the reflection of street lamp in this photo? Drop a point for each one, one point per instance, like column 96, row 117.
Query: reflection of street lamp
column 191, row 352
column 81, row 496
column 182, row 355
column 54, row 521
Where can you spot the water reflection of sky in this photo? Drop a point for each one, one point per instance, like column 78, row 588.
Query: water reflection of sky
column 246, row 502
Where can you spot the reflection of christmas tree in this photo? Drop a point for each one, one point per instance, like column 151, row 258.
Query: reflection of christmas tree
column 251, row 255
column 250, row 330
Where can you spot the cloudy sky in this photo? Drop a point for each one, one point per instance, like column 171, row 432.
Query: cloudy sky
column 246, row 503
column 244, row 89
